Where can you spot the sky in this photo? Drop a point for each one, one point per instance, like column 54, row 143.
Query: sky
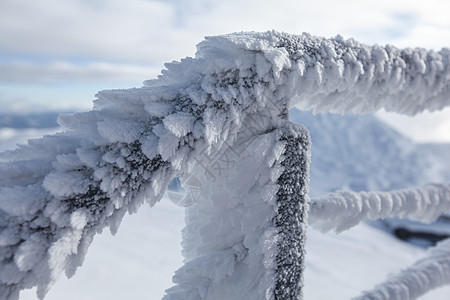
column 56, row 54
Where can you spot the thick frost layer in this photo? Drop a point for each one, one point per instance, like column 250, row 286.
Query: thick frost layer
column 428, row 273
column 342, row 210
column 59, row 191
column 244, row 238
column 337, row 75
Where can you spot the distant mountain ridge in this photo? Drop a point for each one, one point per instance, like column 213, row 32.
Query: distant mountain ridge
column 34, row 120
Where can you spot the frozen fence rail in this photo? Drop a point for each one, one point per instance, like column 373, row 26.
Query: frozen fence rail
column 342, row 210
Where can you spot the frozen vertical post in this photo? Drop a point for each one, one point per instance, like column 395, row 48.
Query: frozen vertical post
column 245, row 236
column 291, row 218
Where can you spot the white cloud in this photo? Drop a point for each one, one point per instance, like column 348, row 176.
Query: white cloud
column 109, row 30
column 158, row 31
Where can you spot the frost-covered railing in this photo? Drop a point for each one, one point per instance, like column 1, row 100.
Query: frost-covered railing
column 342, row 210
column 223, row 118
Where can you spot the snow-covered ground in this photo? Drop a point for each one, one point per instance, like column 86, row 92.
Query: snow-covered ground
column 139, row 261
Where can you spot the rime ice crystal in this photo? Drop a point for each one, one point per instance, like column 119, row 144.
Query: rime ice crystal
column 342, row 210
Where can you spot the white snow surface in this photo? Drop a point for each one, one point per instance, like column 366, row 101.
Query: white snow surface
column 59, row 191
column 138, row 262
column 428, row 273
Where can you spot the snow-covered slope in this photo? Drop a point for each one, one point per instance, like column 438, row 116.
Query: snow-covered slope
column 357, row 152
column 440, row 152
column 360, row 152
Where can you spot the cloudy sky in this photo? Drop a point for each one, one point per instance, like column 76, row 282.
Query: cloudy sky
column 56, row 54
